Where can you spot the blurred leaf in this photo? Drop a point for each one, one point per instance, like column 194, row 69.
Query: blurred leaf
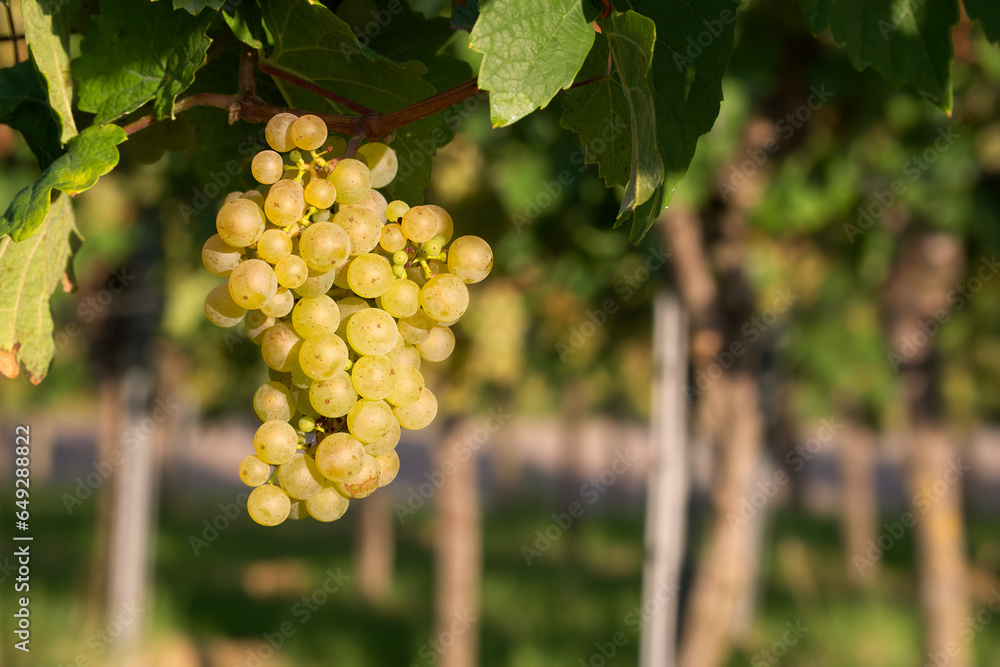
column 29, row 273
column 194, row 7
column 531, row 50
column 24, row 106
column 47, row 32
column 987, row 12
column 245, row 21
column 464, row 14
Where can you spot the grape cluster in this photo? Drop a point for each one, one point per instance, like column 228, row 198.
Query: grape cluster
column 345, row 293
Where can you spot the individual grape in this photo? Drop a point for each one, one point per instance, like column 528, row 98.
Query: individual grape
column 322, row 356
column 352, row 179
column 240, row 223
column 374, row 201
column 401, row 298
column 387, row 442
column 252, row 283
column 405, row 355
column 388, row 465
column 256, row 325
column 313, row 316
column 255, row 196
column 369, row 275
column 392, row 239
column 291, row 271
column 433, row 248
column 280, row 347
column 374, row 377
column 339, row 456
column 371, row 332
column 409, row 386
column 362, row 228
column 273, row 401
column 268, row 505
column 280, row 304
column 308, row 132
column 275, row 442
column 307, row 424
column 253, row 471
column 333, row 397
column 417, row 415
column 368, row 420
column 299, row 477
column 325, row 246
column 219, row 257
column 285, row 202
column 444, row 297
column 470, row 258
column 416, row 328
column 273, row 245
column 438, row 346
column 317, row 284
column 231, row 196
column 395, row 209
column 446, row 226
column 381, row 161
column 221, row 310
column 277, row 132
column 364, row 483
column 267, row 167
column 320, row 193
column 420, row 224
column 327, row 505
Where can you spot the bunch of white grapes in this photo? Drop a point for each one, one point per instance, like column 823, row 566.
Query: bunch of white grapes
column 346, row 294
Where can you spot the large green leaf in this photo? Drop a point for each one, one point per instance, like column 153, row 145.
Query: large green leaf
column 314, row 44
column 90, row 155
column 194, row 7
column 464, row 14
column 46, row 28
column 531, row 50
column 126, row 62
column 29, row 273
column 244, row 20
column 24, row 106
column 987, row 12
column 907, row 41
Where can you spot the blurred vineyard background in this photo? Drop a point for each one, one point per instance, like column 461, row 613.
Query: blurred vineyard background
column 831, row 250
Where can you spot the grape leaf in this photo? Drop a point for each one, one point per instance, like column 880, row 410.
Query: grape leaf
column 29, row 273
column 987, row 12
column 531, row 50
column 244, row 21
column 194, row 7
column 908, row 41
column 464, row 14
column 24, row 105
column 46, row 28
column 89, row 155
column 125, row 63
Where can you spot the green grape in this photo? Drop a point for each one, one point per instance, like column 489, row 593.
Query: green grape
column 339, row 457
column 285, row 202
column 253, row 471
column 322, row 356
column 395, row 210
column 320, row 193
column 364, row 483
column 219, row 257
column 416, row 328
column 374, row 377
column 221, row 310
column 375, row 202
column 438, row 346
column 317, row 284
column 252, row 283
column 401, row 258
column 444, row 297
column 387, row 442
column 240, row 223
column 273, row 401
column 291, row 271
column 268, row 505
column 255, row 196
column 313, row 316
column 307, row 423
column 381, row 161
column 333, row 397
column 299, row 477
column 420, row 224
column 446, row 226
column 308, row 132
column 392, row 239
column 433, row 247
column 388, row 465
column 405, row 355
column 371, row 332
column 327, row 505
column 470, row 258
column 362, row 228
column 256, row 325
column 352, row 180
column 277, row 132
column 267, row 167
column 280, row 347
column 274, row 244
column 401, row 298
column 369, row 275
column 341, row 280
column 348, row 306
column 280, row 304
column 409, row 386
column 325, row 246
column 417, row 415
column 275, row 442
column 368, row 420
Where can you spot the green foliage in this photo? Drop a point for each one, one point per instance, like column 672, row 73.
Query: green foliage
column 987, row 12
column 46, row 29
column 196, row 6
column 24, row 106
